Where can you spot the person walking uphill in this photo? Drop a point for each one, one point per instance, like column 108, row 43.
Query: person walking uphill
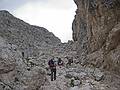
column 52, row 66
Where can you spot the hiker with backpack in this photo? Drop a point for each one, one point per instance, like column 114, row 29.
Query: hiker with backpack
column 60, row 62
column 52, row 66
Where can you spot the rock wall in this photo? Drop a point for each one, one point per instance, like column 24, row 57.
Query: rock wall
column 96, row 29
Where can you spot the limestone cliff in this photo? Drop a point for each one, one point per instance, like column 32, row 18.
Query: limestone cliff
column 96, row 29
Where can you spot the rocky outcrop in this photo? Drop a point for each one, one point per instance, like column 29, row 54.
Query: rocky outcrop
column 96, row 29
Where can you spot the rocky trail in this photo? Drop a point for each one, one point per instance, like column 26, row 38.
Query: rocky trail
column 81, row 79
column 78, row 78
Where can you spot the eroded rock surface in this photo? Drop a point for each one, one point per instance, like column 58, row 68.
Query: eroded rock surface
column 96, row 29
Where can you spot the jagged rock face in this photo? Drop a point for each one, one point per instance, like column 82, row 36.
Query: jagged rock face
column 27, row 37
column 96, row 29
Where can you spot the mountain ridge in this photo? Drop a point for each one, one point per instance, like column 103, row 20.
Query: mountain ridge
column 24, row 35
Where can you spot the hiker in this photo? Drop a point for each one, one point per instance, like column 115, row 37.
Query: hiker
column 23, row 54
column 52, row 66
column 60, row 62
column 70, row 61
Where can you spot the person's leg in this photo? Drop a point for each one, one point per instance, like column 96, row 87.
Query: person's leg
column 52, row 72
column 70, row 63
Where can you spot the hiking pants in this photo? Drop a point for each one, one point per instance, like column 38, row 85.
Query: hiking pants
column 53, row 74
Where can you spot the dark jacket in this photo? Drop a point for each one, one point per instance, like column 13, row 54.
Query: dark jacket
column 51, row 64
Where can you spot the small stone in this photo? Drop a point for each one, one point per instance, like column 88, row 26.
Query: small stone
column 77, row 82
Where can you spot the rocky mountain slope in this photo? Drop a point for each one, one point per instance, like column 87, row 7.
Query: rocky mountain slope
column 27, row 37
column 96, row 29
column 20, row 47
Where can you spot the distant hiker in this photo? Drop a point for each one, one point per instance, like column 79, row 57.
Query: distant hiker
column 52, row 66
column 23, row 54
column 60, row 62
column 70, row 61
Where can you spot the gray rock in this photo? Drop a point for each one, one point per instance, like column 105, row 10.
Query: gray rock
column 77, row 82
column 98, row 75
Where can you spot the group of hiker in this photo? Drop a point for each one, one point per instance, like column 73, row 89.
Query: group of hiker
column 53, row 63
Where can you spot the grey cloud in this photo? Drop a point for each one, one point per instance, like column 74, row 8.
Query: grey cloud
column 13, row 4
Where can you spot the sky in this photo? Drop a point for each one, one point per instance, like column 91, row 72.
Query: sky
column 54, row 15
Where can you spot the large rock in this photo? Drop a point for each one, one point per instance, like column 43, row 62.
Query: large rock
column 98, row 75
column 96, row 29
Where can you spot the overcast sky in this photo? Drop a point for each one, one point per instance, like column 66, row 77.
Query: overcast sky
column 54, row 15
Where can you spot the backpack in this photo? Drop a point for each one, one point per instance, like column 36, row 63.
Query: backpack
column 51, row 63
column 60, row 62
